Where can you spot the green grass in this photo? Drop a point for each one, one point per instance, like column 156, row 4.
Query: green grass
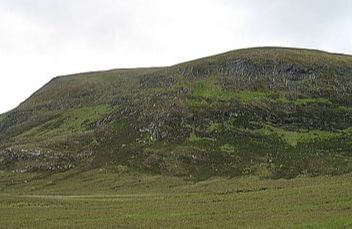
column 294, row 137
column 349, row 130
column 101, row 198
column 253, row 96
column 193, row 137
column 307, row 101
column 75, row 119
column 208, row 92
column 71, row 121
column 209, row 89
column 228, row 148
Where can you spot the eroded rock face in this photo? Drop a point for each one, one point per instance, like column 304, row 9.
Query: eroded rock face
column 39, row 160
column 239, row 67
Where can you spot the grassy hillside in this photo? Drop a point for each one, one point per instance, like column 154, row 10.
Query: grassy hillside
column 268, row 112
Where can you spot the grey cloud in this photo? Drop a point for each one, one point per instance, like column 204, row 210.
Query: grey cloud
column 304, row 23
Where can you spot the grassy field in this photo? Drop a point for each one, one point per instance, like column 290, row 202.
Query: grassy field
column 102, row 198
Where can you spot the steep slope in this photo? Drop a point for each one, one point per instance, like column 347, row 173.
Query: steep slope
column 272, row 112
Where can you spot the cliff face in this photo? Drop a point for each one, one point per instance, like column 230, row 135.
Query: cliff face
column 273, row 112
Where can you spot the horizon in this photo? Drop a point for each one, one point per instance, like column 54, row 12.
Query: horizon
column 198, row 58
column 48, row 39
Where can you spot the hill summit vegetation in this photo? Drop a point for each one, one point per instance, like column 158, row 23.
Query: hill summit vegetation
column 268, row 112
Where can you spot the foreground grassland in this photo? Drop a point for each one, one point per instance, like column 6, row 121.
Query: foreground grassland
column 100, row 198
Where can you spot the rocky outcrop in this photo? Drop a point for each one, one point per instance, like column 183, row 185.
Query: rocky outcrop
column 39, row 160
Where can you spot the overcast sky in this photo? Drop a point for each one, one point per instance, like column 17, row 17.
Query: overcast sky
column 40, row 39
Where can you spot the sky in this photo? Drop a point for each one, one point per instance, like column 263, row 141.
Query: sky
column 41, row 39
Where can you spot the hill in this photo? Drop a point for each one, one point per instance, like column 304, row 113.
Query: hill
column 270, row 112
